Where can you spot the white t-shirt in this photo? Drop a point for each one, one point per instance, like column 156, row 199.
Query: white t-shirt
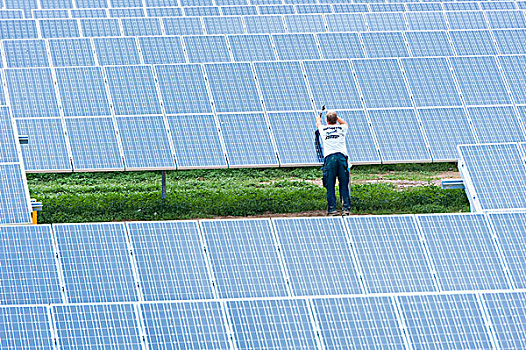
column 333, row 138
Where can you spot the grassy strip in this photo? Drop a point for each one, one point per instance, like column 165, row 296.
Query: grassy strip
column 243, row 192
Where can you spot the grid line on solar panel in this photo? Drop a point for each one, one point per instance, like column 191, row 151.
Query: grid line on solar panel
column 14, row 195
column 488, row 131
column 244, row 258
column 390, row 254
column 25, row 328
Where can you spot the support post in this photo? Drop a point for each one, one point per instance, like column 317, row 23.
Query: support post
column 163, row 185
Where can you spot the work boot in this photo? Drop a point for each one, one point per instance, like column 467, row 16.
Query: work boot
column 332, row 213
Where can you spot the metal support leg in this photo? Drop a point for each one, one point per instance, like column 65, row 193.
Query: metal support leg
column 164, row 185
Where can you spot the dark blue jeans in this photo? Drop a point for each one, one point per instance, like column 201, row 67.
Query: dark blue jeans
column 335, row 166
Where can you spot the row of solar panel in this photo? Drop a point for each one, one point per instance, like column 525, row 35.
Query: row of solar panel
column 445, row 321
column 385, row 21
column 224, row 259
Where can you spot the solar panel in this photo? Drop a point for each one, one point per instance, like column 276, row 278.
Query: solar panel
column 239, row 10
column 207, row 49
column 163, row 11
column 390, row 7
column 511, row 41
column 264, row 24
column 126, row 12
column 100, row 27
column 11, row 14
column 25, row 53
column 41, row 14
column 340, row 45
column 28, row 271
column 506, row 19
column 25, row 328
column 345, row 8
column 141, row 26
column 332, row 84
column 132, row 90
column 190, row 325
column 40, row 154
column 445, row 321
column 506, row 130
column 91, row 3
column 71, row 52
column 466, row 20
column 223, row 25
column 162, row 50
column 247, row 140
column 426, row 21
column 203, row 149
column 359, row 323
column 446, row 128
column 14, row 201
column 515, row 72
column 305, row 23
column 82, row 91
column 283, row 97
column 381, row 83
column 317, row 256
column 472, row 42
column 390, row 254
column 499, row 5
column 56, row 4
column 314, row 8
column 272, row 324
column 429, row 44
column 506, row 312
column 26, row 5
column 276, row 9
column 346, row 22
column 59, row 28
column 389, row 44
column 244, row 258
column 88, row 13
column 97, row 326
column 431, row 6
column 94, row 144
column 183, row 26
column 233, row 87
column 129, row 3
column 296, row 46
column 18, row 29
column 495, row 171
column 251, row 48
column 116, row 51
column 510, row 228
column 386, row 21
column 431, row 82
column 8, row 150
column 479, row 80
column 31, row 92
column 461, row 6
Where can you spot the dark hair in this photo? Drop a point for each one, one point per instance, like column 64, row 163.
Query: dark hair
column 332, row 118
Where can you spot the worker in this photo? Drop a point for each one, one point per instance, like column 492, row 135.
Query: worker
column 335, row 162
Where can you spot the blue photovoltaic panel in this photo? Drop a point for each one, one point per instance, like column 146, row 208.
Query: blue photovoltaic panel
column 462, row 251
column 445, row 321
column 14, row 203
column 272, row 324
column 32, row 93
column 276, row 9
column 359, row 323
column 507, row 129
column 384, row 45
column 100, row 27
column 190, row 2
column 88, row 13
column 506, row 19
column 345, row 8
column 11, row 14
column 28, row 271
column 59, row 28
column 141, row 26
column 40, row 14
column 95, row 262
column 279, row 96
column 202, row 11
column 197, row 325
column 340, row 45
column 183, row 26
column 231, row 2
column 382, row 83
column 25, row 53
column 202, row 49
column 295, row 142
column 82, row 91
column 162, row 50
column 480, row 81
column 247, row 48
column 426, row 21
column 472, row 42
column 511, row 41
column 390, row 254
column 233, row 87
column 264, row 24
column 431, row 82
column 170, row 260
column 496, row 171
column 247, row 146
column 196, row 141
column 466, row 20
column 305, row 23
column 145, row 142
column 499, row 5
column 346, row 22
column 461, row 6
column 332, row 84
column 429, row 44
column 25, row 328
column 71, row 52
column 317, row 256
column 94, row 144
column 239, row 10
column 387, row 21
column 431, row 6
column 128, row 3
column 507, row 311
column 510, row 229
column 46, row 148
column 163, row 11
column 132, row 90
column 244, row 258
column 316, row 8
column 223, row 25
column 446, row 128
column 189, row 95
column 360, row 143
column 127, row 13
column 98, row 326
column 56, row 4
column 391, row 7
column 8, row 150
column 399, row 136
column 91, row 3
column 117, row 51
column 296, row 46
column 18, row 29
column 514, row 68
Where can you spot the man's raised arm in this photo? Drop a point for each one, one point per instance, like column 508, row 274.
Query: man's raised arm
column 318, row 121
column 341, row 121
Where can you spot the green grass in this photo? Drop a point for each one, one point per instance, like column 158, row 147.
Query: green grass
column 92, row 197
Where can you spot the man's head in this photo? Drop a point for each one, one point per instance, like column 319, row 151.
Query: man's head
column 332, row 118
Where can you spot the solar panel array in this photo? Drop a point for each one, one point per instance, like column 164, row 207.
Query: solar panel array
column 443, row 281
